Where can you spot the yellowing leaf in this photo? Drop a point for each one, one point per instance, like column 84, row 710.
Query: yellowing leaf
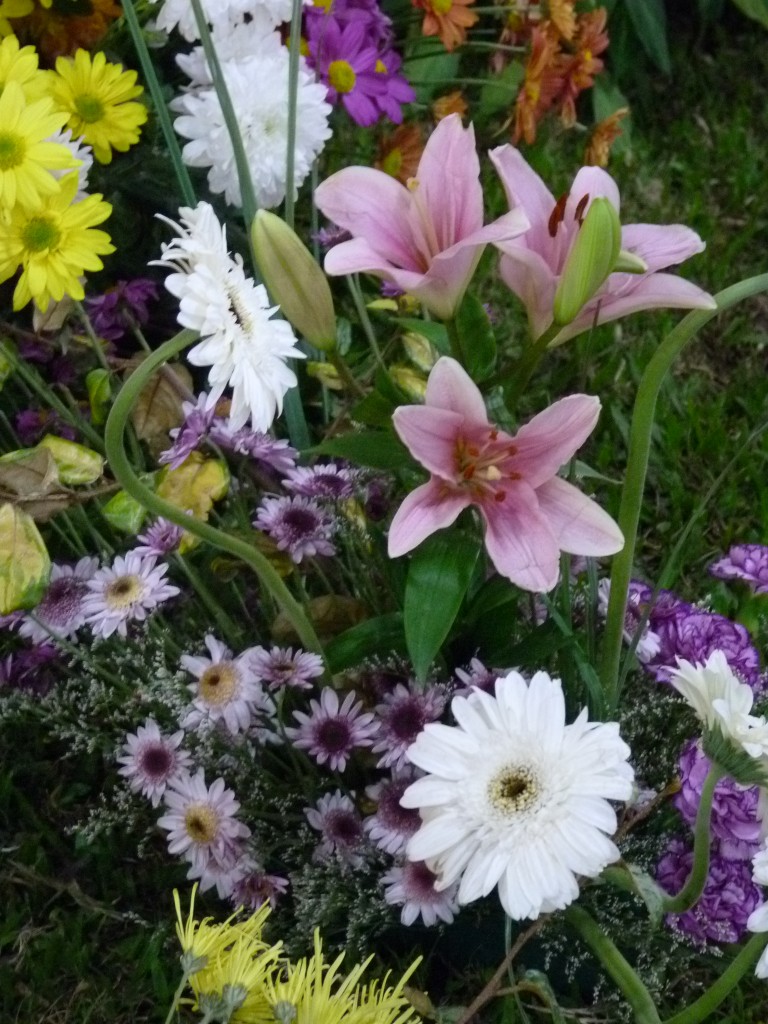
column 24, row 563
column 124, row 513
column 158, row 407
column 76, row 463
column 193, row 487
column 99, row 395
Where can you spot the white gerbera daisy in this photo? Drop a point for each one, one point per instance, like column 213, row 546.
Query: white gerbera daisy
column 516, row 797
column 125, row 591
column 758, row 922
column 258, row 87
column 722, row 701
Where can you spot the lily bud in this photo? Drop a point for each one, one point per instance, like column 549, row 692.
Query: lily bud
column 592, row 258
column 630, row 263
column 294, row 279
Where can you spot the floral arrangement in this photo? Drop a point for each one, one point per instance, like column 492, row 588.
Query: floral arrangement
column 316, row 566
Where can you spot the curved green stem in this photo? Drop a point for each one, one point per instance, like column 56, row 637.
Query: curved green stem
column 731, row 976
column 622, row 972
column 693, row 888
column 123, row 471
column 637, row 468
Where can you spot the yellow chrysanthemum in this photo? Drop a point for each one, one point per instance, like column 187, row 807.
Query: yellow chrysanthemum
column 19, row 64
column 26, row 159
column 98, row 97
column 12, row 9
column 54, row 244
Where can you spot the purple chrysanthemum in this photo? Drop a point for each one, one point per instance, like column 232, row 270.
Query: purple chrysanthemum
column 227, row 689
column 747, row 562
column 280, row 667
column 152, row 761
column 255, row 888
column 60, row 613
column 32, row 670
column 255, row 444
column 392, row 825
column 412, row 886
column 159, row 539
column 477, row 677
column 122, row 307
column 728, row 899
column 344, row 58
column 127, row 591
column 326, row 238
column 328, row 480
column 402, row 716
column 397, row 89
column 648, row 644
column 735, row 822
column 332, row 731
column 297, row 525
column 33, row 424
column 187, row 438
column 339, row 824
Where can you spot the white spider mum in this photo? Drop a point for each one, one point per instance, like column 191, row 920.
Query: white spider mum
column 256, row 38
column 258, row 87
column 516, row 797
column 218, row 14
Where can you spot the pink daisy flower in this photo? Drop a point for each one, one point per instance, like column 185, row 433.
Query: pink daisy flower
column 125, row 592
column 160, row 539
column 402, row 716
column 412, row 887
column 280, row 667
column 330, row 481
column 297, row 525
column 336, row 818
column 255, row 888
column 152, row 761
column 332, row 731
column 227, row 689
column 476, row 677
column 392, row 825
column 60, row 613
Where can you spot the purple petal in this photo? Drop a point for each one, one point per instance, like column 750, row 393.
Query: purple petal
column 449, row 181
column 661, row 245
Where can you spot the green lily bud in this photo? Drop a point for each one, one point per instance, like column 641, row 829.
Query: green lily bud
column 592, row 258
column 294, row 279
column 630, row 263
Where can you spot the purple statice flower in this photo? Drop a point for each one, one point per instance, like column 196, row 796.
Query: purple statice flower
column 152, row 760
column 398, row 91
column 747, row 562
column 344, row 59
column 299, row 526
column 191, row 434
column 255, row 888
column 126, row 591
column 402, row 716
column 476, row 677
column 728, row 899
column 161, row 538
column 31, row 670
column 280, row 667
column 60, row 612
column 735, row 822
column 332, row 731
column 255, row 444
column 339, row 824
column 392, row 825
column 121, row 308
column 33, row 424
column 328, row 480
column 412, row 886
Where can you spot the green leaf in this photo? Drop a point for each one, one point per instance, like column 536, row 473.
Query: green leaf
column 124, row 513
column 545, row 993
column 631, row 878
column 438, row 577
column 378, row 449
column 24, row 563
column 374, row 411
column 501, row 90
column 76, row 463
column 428, row 66
column 99, row 395
column 380, row 636
column 476, row 340
column 756, row 9
column 649, row 21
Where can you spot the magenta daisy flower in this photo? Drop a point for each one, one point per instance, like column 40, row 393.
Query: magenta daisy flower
column 336, row 818
column 201, row 822
column 227, row 689
column 345, row 60
column 60, row 613
column 280, row 667
column 332, row 731
column 160, row 539
column 392, row 825
column 329, row 480
column 125, row 592
column 297, row 525
column 412, row 887
column 152, row 761
column 402, row 716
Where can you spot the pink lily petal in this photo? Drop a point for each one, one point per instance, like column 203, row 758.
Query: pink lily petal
column 449, row 177
column 357, row 256
column 526, row 274
column 428, row 508
column 524, row 188
column 592, row 182
column 552, row 437
column 580, row 526
column 450, row 387
column 520, row 541
column 430, row 435
column 661, row 245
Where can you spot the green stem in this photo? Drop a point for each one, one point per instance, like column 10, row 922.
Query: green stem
column 625, row 976
column 178, row 993
column 225, row 623
column 294, row 52
column 365, row 320
column 528, row 362
column 454, row 339
column 691, row 892
column 706, row 1004
column 123, row 472
column 161, row 110
column 637, row 467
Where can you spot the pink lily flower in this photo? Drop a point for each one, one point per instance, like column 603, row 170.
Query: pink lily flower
column 530, row 514
column 531, row 266
column 426, row 238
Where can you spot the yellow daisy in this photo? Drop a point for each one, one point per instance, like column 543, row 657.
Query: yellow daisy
column 12, row 9
column 97, row 97
column 19, row 64
column 54, row 244
column 26, row 159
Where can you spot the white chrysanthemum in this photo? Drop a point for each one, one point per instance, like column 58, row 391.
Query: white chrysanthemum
column 256, row 38
column 516, row 797
column 258, row 87
column 227, row 689
column 758, row 922
column 722, row 701
column 220, row 14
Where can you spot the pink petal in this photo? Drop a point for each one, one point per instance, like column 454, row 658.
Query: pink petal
column 524, row 188
column 430, row 434
column 449, row 181
column 450, row 387
column 430, row 507
column 552, row 437
column 527, row 274
column 661, row 245
column 520, row 542
column 580, row 526
column 592, row 182
column 358, row 257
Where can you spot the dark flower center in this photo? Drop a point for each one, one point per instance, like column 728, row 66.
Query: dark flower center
column 300, row 520
column 344, row 828
column 334, row 735
column 156, row 762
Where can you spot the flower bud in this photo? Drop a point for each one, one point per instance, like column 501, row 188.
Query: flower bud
column 630, row 263
column 591, row 259
column 294, row 280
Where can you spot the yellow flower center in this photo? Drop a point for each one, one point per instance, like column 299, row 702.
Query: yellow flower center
column 381, row 67
column 341, row 76
column 13, row 149
column 201, row 823
column 39, row 234
column 441, row 6
column 122, row 592
column 513, row 789
column 483, row 466
column 218, row 683
column 90, row 108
